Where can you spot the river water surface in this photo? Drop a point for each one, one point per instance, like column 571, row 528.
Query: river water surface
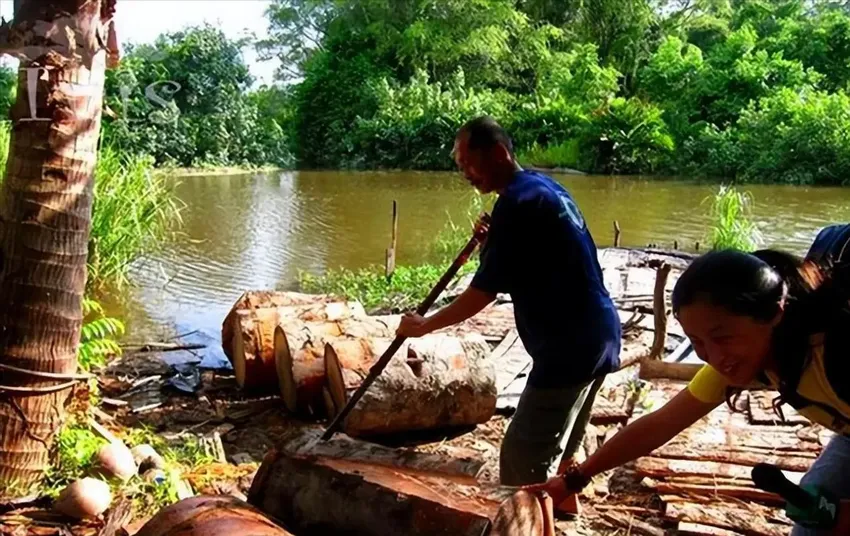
column 257, row 231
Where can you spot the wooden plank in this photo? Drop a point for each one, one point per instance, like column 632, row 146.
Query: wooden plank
column 715, row 491
column 761, row 410
column 697, row 529
column 662, row 468
column 738, row 456
column 749, row 521
column 631, row 523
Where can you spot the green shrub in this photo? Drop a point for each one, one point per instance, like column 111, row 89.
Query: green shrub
column 415, row 124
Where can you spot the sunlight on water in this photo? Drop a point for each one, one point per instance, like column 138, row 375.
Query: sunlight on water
column 251, row 232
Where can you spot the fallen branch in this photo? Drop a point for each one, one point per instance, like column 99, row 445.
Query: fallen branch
column 161, row 347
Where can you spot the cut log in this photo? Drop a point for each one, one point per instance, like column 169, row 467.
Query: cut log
column 436, row 381
column 315, row 495
column 462, row 466
column 300, row 374
column 750, row 521
column 298, row 350
column 347, row 362
column 210, row 516
column 263, row 299
column 252, row 339
column 715, row 491
column 632, row 524
column 671, row 371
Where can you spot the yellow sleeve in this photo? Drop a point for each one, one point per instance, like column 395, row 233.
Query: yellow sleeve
column 708, row 386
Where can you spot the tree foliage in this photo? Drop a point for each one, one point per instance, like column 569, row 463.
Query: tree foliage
column 745, row 89
column 185, row 100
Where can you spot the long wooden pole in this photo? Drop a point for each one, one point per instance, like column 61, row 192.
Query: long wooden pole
column 477, row 237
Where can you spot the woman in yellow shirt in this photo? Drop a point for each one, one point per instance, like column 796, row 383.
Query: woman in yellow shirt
column 762, row 317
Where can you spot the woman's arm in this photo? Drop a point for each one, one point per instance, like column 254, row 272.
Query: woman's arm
column 635, row 440
column 647, row 433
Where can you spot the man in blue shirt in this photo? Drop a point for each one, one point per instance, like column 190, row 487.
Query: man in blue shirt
column 539, row 251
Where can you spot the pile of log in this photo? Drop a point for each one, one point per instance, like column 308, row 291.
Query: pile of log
column 316, row 351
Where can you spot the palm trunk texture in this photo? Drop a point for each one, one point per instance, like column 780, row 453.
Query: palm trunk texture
column 45, row 218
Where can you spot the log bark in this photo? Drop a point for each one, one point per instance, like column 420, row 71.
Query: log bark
column 45, row 220
column 432, row 382
column 316, row 495
column 750, row 521
column 252, row 338
column 210, row 516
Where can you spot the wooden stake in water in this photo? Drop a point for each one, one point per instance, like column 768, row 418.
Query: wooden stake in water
column 390, row 261
column 616, row 234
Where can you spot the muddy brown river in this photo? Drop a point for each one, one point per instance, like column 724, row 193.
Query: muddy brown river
column 258, row 231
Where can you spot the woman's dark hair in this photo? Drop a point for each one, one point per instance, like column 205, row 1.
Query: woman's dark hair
column 754, row 285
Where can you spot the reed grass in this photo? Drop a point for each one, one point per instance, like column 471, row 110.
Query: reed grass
column 731, row 224
column 134, row 211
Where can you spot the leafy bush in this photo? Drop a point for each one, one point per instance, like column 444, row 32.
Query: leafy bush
column 799, row 137
column 627, row 136
column 415, row 124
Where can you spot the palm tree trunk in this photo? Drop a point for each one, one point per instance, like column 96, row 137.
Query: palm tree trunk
column 45, row 216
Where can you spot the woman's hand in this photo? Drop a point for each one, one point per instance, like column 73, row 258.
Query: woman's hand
column 412, row 325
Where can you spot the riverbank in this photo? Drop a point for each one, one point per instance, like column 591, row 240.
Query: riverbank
column 215, row 171
column 216, row 437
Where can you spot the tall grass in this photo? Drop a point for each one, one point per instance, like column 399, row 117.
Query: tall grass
column 731, row 226
column 562, row 155
column 134, row 210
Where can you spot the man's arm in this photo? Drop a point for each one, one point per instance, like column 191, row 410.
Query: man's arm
column 467, row 305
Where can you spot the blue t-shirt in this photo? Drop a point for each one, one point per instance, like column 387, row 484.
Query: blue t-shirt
column 539, row 251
